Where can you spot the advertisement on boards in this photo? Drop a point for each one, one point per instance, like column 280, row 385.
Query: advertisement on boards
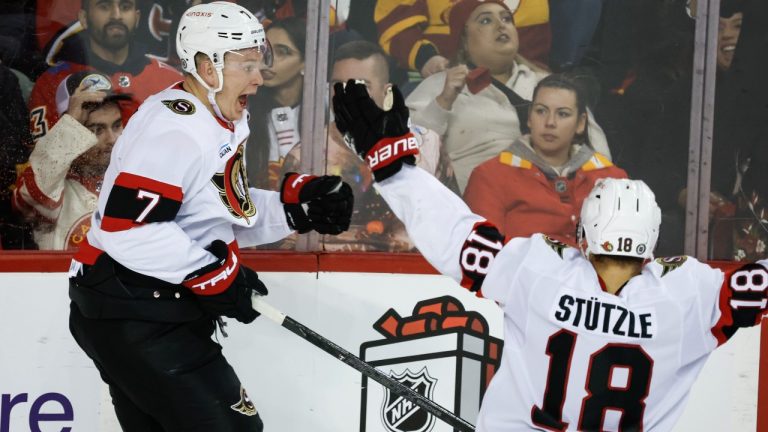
column 422, row 330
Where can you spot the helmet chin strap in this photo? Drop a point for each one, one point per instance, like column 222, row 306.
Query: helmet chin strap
column 212, row 91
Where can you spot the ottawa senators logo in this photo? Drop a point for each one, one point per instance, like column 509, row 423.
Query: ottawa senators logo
column 232, row 185
column 180, row 106
column 244, row 405
column 670, row 263
column 556, row 245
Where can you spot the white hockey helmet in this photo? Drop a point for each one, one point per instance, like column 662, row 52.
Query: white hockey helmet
column 217, row 28
column 620, row 217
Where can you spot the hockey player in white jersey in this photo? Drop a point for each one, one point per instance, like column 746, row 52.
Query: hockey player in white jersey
column 161, row 262
column 605, row 338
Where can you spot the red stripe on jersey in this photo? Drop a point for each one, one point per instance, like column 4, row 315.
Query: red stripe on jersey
column 225, row 124
column 133, row 181
column 111, row 224
column 87, row 254
column 28, row 177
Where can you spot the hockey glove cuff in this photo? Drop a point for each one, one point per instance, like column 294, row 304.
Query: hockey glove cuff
column 323, row 204
column 225, row 287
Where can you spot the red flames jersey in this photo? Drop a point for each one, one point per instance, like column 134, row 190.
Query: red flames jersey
column 176, row 182
column 141, row 82
column 575, row 356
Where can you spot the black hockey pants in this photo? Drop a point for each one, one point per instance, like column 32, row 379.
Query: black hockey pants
column 166, row 377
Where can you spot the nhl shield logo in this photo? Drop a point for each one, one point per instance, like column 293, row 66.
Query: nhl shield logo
column 401, row 415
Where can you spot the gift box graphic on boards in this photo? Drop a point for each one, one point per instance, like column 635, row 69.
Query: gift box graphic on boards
column 441, row 351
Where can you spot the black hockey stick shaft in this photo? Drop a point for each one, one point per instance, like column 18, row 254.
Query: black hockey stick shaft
column 352, row 360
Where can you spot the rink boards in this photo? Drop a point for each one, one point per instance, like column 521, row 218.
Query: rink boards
column 47, row 383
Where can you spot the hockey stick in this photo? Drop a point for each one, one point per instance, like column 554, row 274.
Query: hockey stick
column 352, row 360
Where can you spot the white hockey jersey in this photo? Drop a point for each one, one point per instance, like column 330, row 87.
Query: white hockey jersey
column 575, row 356
column 47, row 191
column 176, row 182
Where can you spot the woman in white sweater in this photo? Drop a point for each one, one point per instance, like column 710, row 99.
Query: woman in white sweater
column 470, row 105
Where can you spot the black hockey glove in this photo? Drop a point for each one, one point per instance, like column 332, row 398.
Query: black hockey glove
column 382, row 139
column 323, row 204
column 225, row 287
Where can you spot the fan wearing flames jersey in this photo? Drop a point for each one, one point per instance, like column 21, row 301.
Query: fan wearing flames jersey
column 594, row 335
column 58, row 186
column 104, row 41
column 161, row 262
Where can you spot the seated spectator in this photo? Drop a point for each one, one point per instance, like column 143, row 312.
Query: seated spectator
column 573, row 24
column 15, row 145
column 276, row 108
column 271, row 10
column 18, row 49
column 747, row 231
column 417, row 33
column 650, row 114
column 56, row 21
column 479, row 106
column 374, row 227
column 537, row 185
column 60, row 184
column 107, row 45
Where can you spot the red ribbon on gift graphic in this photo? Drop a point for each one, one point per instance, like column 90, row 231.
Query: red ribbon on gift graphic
column 441, row 315
column 430, row 316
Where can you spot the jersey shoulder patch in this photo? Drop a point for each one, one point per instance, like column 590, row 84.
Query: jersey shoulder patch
column 556, row 245
column 180, row 106
column 670, row 263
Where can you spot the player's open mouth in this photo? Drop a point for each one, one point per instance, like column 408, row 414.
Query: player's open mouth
column 242, row 100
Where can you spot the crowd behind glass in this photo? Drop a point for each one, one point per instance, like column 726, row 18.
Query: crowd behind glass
column 72, row 72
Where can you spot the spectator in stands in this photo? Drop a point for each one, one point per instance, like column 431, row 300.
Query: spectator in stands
column 59, row 186
column 56, row 21
column 15, row 145
column 573, row 23
column 107, row 45
column 479, row 107
column 276, row 108
column 747, row 231
column 537, row 185
column 418, row 35
column 17, row 38
column 650, row 115
column 374, row 227
column 739, row 149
